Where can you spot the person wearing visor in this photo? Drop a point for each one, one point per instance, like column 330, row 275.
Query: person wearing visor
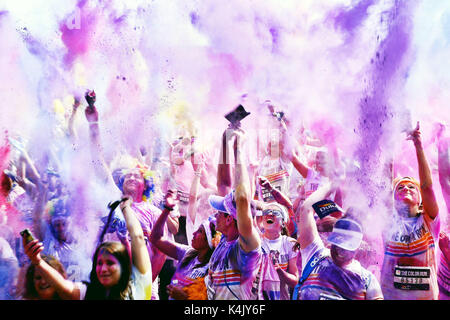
column 409, row 266
column 234, row 265
column 334, row 273
column 278, row 250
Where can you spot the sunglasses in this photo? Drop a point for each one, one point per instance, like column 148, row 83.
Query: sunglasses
column 276, row 213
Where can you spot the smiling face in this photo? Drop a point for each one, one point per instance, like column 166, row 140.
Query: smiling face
column 108, row 269
column 272, row 218
column 43, row 289
column 272, row 221
column 407, row 192
column 133, row 183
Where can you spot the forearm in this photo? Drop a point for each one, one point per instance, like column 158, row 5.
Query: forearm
column 224, row 181
column 299, row 166
column 426, row 185
column 37, row 214
column 193, row 197
column 158, row 229
column 100, row 166
column 65, row 288
column 424, row 168
column 140, row 255
column 173, row 225
column 306, row 222
column 290, row 279
column 249, row 238
column 281, row 198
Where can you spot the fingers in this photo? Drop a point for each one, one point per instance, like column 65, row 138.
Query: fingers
column 33, row 248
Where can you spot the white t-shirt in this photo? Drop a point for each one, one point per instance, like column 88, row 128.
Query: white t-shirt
column 282, row 249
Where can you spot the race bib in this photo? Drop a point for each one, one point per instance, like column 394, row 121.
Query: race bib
column 412, row 278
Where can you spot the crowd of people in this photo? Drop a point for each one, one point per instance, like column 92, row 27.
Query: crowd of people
column 186, row 228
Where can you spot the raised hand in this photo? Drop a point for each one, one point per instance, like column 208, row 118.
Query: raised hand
column 170, row 199
column 33, row 250
column 415, row 135
column 90, row 97
column 264, row 182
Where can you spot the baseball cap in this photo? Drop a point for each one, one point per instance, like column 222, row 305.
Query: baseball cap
column 225, row 204
column 347, row 234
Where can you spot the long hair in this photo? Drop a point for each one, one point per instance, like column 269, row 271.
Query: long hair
column 191, row 254
column 30, row 290
column 122, row 290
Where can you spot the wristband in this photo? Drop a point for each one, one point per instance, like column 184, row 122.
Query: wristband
column 168, row 208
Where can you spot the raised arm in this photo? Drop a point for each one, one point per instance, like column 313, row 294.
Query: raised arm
column 38, row 210
column 307, row 228
column 224, row 180
column 248, row 235
column 288, row 152
column 156, row 237
column 72, row 132
column 92, row 117
column 279, row 197
column 193, row 192
column 430, row 205
column 66, row 289
column 139, row 252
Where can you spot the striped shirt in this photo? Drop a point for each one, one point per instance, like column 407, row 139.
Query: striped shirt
column 409, row 266
column 327, row 281
column 232, row 271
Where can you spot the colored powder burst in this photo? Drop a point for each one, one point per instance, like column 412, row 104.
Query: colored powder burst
column 356, row 73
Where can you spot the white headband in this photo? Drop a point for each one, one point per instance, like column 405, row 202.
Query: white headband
column 207, row 228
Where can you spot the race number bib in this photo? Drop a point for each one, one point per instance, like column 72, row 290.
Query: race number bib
column 412, row 278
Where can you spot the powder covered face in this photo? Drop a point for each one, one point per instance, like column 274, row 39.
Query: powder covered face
column 108, row 269
column 44, row 290
column 272, row 219
column 60, row 227
column 222, row 221
column 407, row 193
column 133, row 183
